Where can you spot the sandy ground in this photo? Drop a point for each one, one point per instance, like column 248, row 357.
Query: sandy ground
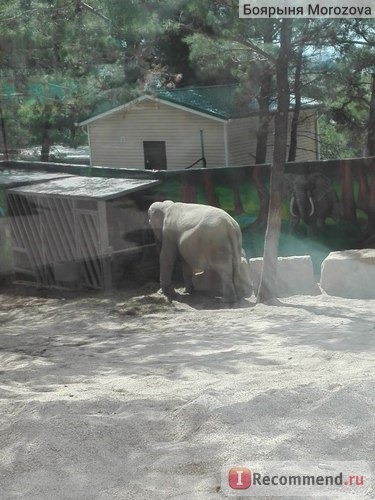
column 112, row 397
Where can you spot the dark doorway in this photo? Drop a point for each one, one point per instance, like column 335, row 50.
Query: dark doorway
column 155, row 155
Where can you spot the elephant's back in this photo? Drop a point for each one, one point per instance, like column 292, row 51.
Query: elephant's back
column 196, row 214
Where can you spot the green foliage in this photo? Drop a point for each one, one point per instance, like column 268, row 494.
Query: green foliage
column 54, row 61
column 335, row 141
column 101, row 53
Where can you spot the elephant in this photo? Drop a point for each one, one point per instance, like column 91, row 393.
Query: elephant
column 209, row 242
column 312, row 199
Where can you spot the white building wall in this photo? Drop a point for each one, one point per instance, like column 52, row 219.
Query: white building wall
column 307, row 145
column 242, row 139
column 117, row 140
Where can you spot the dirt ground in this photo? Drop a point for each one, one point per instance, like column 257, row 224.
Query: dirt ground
column 126, row 395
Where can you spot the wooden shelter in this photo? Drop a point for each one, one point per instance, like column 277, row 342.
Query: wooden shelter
column 78, row 232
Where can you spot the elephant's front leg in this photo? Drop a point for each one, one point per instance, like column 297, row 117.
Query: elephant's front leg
column 168, row 256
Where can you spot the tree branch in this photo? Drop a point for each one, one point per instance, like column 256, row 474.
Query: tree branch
column 93, row 10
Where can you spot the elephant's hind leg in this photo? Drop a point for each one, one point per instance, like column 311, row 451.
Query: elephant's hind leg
column 228, row 292
column 188, row 277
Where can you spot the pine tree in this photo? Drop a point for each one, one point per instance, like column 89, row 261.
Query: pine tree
column 55, row 59
column 267, row 286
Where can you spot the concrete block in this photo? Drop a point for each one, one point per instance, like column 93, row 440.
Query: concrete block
column 295, row 276
column 350, row 274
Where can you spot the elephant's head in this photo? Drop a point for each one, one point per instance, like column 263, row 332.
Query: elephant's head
column 319, row 185
column 156, row 214
column 301, row 203
column 312, row 197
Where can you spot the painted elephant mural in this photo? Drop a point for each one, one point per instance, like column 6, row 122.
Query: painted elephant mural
column 312, row 199
column 209, row 242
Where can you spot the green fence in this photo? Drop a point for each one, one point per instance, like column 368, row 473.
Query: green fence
column 243, row 192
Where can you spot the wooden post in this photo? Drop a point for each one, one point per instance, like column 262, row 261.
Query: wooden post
column 106, row 250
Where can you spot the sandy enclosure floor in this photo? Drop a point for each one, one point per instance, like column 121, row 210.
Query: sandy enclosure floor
column 112, row 397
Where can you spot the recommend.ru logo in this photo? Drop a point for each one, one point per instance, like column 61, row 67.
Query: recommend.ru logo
column 329, row 478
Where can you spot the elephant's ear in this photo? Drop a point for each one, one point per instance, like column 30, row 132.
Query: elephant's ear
column 319, row 185
column 156, row 218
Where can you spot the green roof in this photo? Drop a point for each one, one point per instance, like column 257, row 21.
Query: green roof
column 220, row 101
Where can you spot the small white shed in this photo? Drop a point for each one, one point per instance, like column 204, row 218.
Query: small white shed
column 173, row 129
column 78, row 232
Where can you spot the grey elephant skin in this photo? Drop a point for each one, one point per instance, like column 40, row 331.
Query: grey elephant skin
column 311, row 199
column 209, row 242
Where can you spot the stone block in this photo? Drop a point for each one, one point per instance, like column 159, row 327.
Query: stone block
column 349, row 274
column 295, row 276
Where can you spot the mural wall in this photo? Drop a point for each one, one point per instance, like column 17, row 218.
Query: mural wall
column 327, row 205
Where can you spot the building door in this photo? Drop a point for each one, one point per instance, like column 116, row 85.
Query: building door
column 155, row 155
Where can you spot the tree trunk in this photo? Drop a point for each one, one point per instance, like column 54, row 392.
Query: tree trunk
column 264, row 101
column 297, row 107
column 46, row 134
column 3, row 137
column 371, row 214
column 371, row 122
column 371, row 152
column 46, row 144
column 267, row 286
column 260, row 173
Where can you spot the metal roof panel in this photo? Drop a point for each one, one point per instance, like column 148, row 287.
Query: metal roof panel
column 223, row 102
column 86, row 187
column 12, row 178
